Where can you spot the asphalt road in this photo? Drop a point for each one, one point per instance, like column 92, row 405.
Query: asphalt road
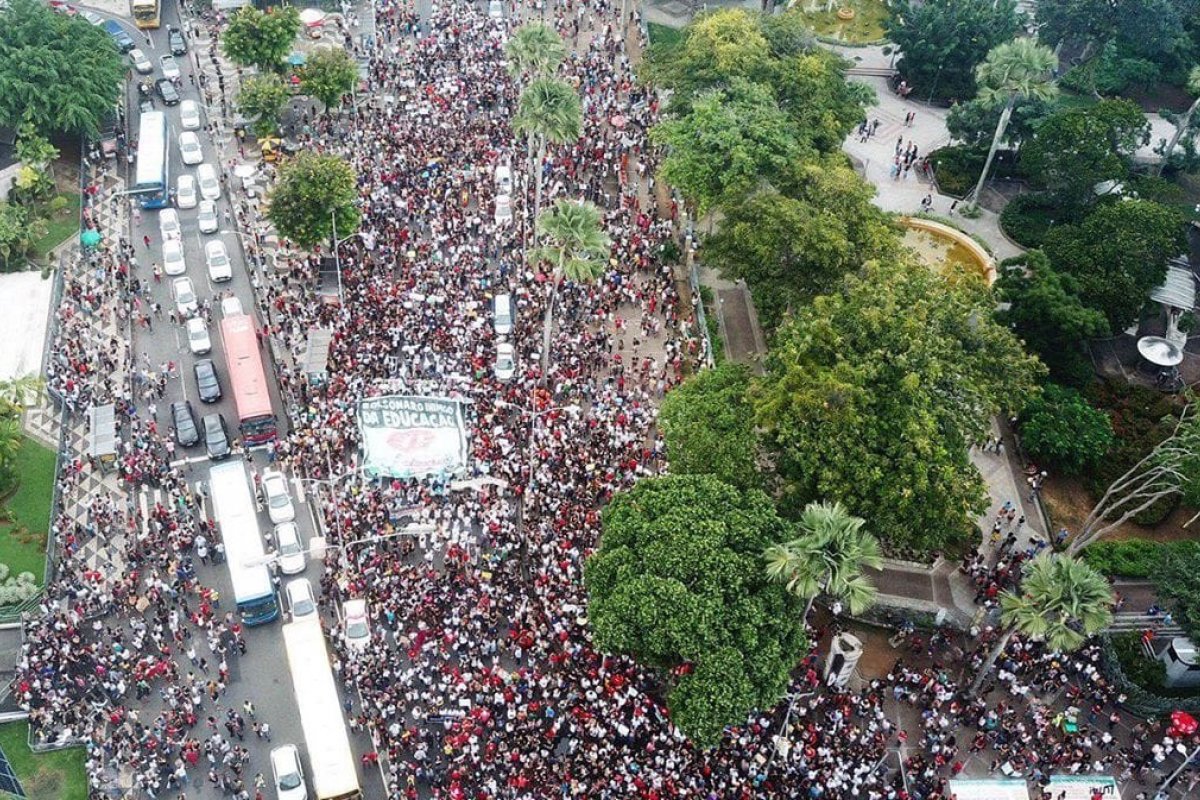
column 261, row 675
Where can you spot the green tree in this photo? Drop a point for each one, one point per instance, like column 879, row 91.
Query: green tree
column 329, row 76
column 1183, row 122
column 548, row 112
column 1043, row 308
column 57, row 72
column 314, row 194
column 872, row 393
column 16, row 236
column 708, row 425
column 535, row 50
column 717, row 48
column 1013, row 71
column 942, row 41
column 1177, row 581
column 729, row 140
column 261, row 99
column 1061, row 601
column 1117, row 255
column 35, row 150
column 827, row 558
column 677, row 582
column 577, row 246
column 813, row 91
column 1061, row 429
column 261, row 39
column 1075, row 149
column 974, row 122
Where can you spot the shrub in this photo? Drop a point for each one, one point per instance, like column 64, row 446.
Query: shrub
column 1027, row 217
column 957, row 168
column 1063, row 430
column 14, row 590
column 1134, row 558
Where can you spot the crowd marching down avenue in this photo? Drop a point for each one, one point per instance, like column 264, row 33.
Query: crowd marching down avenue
column 480, row 679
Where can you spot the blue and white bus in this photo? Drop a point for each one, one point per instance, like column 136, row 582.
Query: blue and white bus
column 237, row 519
column 152, row 180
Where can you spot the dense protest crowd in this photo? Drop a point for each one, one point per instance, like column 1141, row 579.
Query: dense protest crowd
column 480, row 680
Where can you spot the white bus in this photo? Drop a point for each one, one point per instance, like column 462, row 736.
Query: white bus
column 237, row 519
column 152, row 178
column 334, row 770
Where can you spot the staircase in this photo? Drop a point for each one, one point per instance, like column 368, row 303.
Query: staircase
column 1138, row 621
column 872, row 72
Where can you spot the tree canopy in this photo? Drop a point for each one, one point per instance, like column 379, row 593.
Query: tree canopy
column 708, row 424
column 261, row 39
column 261, row 99
column 311, row 191
column 1177, row 581
column 678, row 581
column 329, row 76
column 57, row 72
column 873, row 392
column 1061, row 429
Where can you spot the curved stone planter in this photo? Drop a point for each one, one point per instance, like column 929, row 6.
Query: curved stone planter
column 987, row 264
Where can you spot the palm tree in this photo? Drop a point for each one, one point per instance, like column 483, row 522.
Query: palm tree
column 21, row 391
column 548, row 112
column 827, row 557
column 1184, row 122
column 535, row 50
column 1016, row 70
column 577, row 246
column 1061, row 601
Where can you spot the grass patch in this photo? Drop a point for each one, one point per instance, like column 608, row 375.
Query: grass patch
column 59, row 774
column 23, row 532
column 866, row 25
column 61, row 223
column 663, row 35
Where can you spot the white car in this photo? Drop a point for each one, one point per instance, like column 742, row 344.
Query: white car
column 209, row 222
column 140, row 62
column 92, row 17
column 276, row 497
column 504, row 213
column 173, row 261
column 168, row 223
column 189, row 115
column 210, row 187
column 358, row 627
column 503, row 179
column 495, row 9
column 506, row 362
column 291, row 549
column 189, row 148
column 198, row 340
column 217, row 261
column 185, row 192
column 301, row 604
column 185, row 297
column 289, row 775
column 170, row 69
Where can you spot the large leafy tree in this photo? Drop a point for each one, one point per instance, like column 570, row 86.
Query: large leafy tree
column 708, row 424
column 1183, row 122
column 57, row 72
column 314, row 196
column 678, row 584
column 872, row 394
column 1061, row 429
column 942, row 41
column 1043, row 308
column 717, row 48
column 974, row 122
column 261, row 99
column 548, row 112
column 261, row 39
column 329, row 76
column 1117, row 255
column 827, row 558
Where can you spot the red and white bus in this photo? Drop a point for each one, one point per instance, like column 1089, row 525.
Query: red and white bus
column 247, row 380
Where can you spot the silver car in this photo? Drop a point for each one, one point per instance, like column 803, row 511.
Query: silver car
column 185, row 297
column 209, row 222
column 189, row 148
column 173, row 261
column 170, row 69
column 168, row 223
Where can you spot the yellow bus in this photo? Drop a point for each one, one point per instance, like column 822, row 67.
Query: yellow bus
column 145, row 13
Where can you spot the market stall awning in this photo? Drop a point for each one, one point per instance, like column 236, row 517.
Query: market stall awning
column 1178, row 289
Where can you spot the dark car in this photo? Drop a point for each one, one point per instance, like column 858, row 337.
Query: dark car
column 120, row 37
column 207, row 382
column 216, row 436
column 175, row 41
column 167, row 91
column 183, row 422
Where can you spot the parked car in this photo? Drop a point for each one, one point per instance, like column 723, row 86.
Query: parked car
column 291, row 549
column 208, row 385
column 185, row 297
column 301, row 603
column 120, row 37
column 276, row 498
column 169, row 67
column 210, row 187
column 92, row 17
column 189, row 148
column 504, row 212
column 288, row 774
column 173, row 261
column 189, row 115
column 217, row 260
column 175, row 40
column 185, row 192
column 503, row 179
column 357, row 626
column 207, row 217
column 139, row 61
column 183, row 424
column 167, row 91
column 216, row 437
column 168, row 224
column 61, row 7
column 506, row 363
column 199, row 341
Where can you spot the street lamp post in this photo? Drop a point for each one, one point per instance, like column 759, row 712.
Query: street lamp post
column 792, row 698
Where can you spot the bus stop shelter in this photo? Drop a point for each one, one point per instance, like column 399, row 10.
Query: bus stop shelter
column 102, row 435
column 989, row 789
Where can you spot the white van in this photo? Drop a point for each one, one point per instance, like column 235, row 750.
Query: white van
column 503, row 179
column 502, row 319
column 230, row 307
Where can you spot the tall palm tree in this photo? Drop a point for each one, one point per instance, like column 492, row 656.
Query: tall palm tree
column 577, row 246
column 535, row 50
column 1182, row 123
column 1061, row 601
column 1017, row 70
column 21, row 391
column 548, row 112
column 827, row 557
